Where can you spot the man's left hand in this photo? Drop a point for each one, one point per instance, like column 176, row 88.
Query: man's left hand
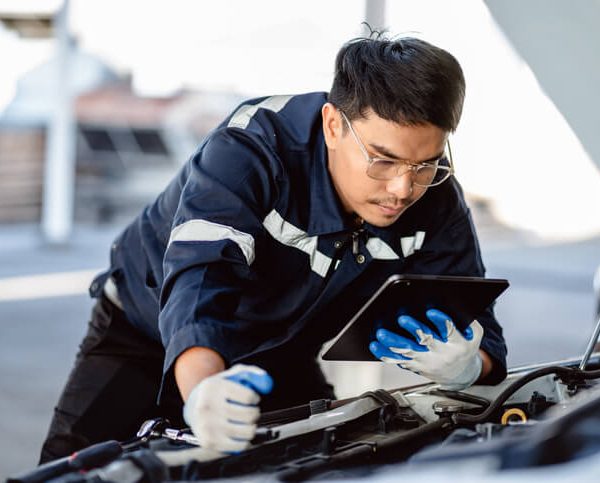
column 448, row 358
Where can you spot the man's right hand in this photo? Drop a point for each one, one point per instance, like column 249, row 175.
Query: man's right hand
column 222, row 409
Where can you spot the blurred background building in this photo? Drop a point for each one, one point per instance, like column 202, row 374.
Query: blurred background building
column 101, row 101
column 126, row 145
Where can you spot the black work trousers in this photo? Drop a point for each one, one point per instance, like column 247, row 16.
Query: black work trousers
column 113, row 387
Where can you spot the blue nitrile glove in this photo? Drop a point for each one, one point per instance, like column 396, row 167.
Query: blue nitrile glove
column 450, row 359
column 222, row 409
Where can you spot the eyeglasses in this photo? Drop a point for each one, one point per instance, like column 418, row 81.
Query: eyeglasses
column 426, row 174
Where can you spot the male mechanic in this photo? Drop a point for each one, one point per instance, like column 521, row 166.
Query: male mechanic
column 283, row 223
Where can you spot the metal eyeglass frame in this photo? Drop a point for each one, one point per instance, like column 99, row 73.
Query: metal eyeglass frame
column 409, row 167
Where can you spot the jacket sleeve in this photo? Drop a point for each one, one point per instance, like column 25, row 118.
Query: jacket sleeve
column 216, row 233
column 452, row 248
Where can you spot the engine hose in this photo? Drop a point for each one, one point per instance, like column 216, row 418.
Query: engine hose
column 462, row 396
column 565, row 373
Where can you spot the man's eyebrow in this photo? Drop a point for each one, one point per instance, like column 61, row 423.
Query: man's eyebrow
column 388, row 154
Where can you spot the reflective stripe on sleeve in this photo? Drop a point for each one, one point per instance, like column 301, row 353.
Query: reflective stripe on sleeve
column 286, row 233
column 241, row 118
column 204, row 230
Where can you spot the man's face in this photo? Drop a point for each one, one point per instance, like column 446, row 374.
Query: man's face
column 378, row 202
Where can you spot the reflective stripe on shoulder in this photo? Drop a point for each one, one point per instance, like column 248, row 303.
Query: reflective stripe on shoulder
column 292, row 236
column 380, row 250
column 241, row 118
column 204, row 230
column 410, row 244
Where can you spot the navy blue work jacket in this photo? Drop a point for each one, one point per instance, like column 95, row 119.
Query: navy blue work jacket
column 248, row 249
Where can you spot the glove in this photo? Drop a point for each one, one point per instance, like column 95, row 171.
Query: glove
column 222, row 409
column 450, row 359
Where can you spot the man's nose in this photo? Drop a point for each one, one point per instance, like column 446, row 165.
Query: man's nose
column 401, row 186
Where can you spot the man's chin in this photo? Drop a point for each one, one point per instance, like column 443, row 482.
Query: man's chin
column 382, row 220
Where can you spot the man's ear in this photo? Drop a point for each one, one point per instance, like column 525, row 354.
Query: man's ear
column 332, row 125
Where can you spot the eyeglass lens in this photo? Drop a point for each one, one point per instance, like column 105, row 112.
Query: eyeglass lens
column 422, row 175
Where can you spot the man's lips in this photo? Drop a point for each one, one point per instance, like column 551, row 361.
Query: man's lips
column 391, row 209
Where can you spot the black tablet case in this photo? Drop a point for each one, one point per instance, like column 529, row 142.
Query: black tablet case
column 462, row 298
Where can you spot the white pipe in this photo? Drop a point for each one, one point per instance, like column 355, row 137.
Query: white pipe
column 59, row 170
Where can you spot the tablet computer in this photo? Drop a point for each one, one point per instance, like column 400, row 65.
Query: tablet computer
column 462, row 298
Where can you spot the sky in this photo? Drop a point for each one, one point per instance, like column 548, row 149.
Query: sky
column 511, row 145
column 254, row 47
column 257, row 47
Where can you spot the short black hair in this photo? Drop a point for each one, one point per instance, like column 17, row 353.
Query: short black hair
column 404, row 80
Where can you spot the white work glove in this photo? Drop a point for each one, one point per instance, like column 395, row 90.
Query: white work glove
column 222, row 409
column 450, row 359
